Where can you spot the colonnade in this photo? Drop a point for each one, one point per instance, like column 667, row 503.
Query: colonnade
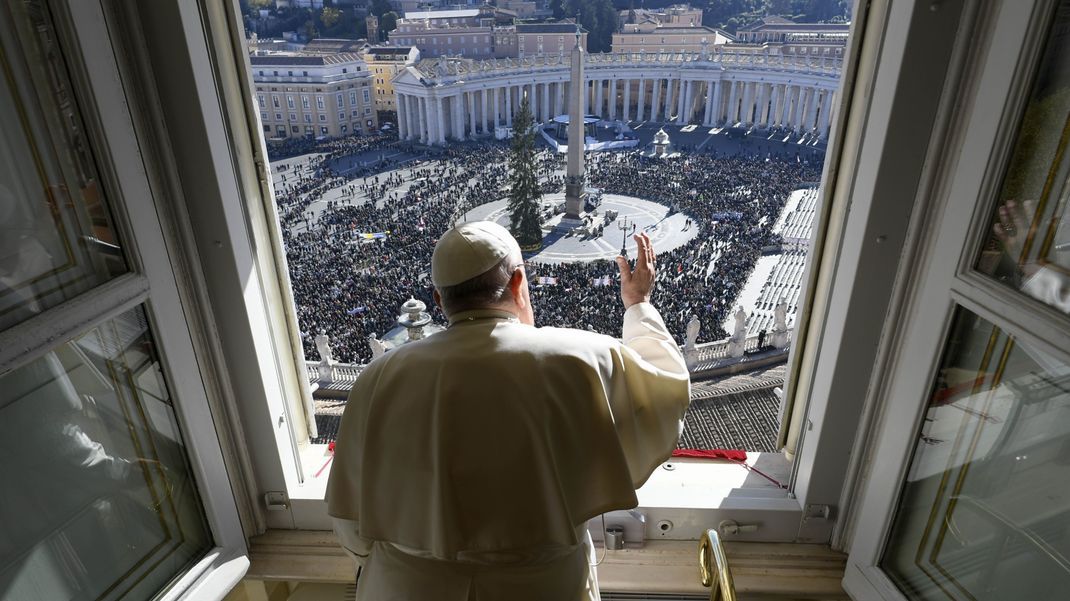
column 432, row 114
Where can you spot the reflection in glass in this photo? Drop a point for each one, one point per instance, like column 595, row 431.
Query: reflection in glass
column 56, row 237
column 97, row 500
column 985, row 513
column 1029, row 244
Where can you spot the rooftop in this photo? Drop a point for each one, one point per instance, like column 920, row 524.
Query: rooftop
column 547, row 28
column 389, row 50
column 781, row 24
column 461, row 13
column 300, row 59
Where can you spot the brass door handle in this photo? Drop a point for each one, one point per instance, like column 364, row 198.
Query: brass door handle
column 713, row 567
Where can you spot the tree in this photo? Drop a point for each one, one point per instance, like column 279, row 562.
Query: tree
column 387, row 23
column 329, row 16
column 308, row 30
column 525, row 219
column 379, row 7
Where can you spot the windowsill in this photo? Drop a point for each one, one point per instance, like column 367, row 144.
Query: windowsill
column 681, row 482
column 769, row 570
column 683, row 496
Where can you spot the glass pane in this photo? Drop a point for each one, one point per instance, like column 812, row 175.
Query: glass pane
column 56, row 236
column 985, row 514
column 1029, row 240
column 97, row 499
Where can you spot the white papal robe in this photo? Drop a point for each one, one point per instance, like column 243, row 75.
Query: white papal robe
column 467, row 463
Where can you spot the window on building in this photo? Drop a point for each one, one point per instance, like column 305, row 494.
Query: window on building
column 275, row 101
column 323, row 130
column 367, row 96
column 308, row 118
column 353, row 98
column 320, row 104
column 293, row 116
column 323, row 117
column 290, row 102
column 260, row 100
column 305, row 103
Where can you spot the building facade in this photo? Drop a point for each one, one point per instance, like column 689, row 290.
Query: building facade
column 682, row 15
column 455, row 99
column 319, row 96
column 653, row 37
column 789, row 37
column 384, row 63
column 486, row 32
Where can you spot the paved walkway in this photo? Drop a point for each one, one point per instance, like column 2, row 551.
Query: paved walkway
column 667, row 232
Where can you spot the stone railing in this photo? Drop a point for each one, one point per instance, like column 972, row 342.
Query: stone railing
column 703, row 354
column 441, row 70
column 339, row 372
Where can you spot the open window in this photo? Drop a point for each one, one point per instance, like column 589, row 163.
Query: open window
column 114, row 481
column 333, row 211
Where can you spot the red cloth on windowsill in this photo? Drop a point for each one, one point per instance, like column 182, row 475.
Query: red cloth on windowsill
column 732, row 454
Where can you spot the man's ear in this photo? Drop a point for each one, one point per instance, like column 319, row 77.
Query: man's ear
column 516, row 285
column 438, row 299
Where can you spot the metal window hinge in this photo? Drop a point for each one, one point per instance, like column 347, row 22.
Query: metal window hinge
column 818, row 512
column 276, row 501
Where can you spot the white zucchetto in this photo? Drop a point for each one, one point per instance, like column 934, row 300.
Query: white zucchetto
column 468, row 250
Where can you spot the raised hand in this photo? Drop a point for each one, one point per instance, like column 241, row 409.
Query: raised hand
column 636, row 285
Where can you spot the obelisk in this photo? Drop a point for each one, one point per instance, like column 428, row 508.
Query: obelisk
column 577, row 137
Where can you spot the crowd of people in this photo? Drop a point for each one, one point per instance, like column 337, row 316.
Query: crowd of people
column 356, row 258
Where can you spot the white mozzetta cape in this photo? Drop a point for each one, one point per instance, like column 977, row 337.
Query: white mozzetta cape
column 493, row 441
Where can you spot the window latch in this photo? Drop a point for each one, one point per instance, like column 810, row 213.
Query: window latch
column 733, row 527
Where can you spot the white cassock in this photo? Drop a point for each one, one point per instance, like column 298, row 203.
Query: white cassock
column 467, row 463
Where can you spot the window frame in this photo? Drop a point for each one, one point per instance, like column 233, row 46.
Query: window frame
column 990, row 103
column 156, row 282
column 834, row 279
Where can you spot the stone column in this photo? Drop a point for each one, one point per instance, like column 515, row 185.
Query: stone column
column 458, row 100
column 800, row 103
column 763, row 103
column 497, row 109
column 718, row 98
column 785, row 112
column 681, row 103
column 641, row 100
column 670, row 99
column 403, row 128
column 826, row 114
column 655, row 100
column 546, row 102
column 484, row 111
column 421, row 119
column 819, row 97
column 707, row 113
column 747, row 112
column 626, row 109
column 733, row 103
column 414, row 117
column 508, row 106
column 471, row 113
column 774, row 102
column 440, row 119
column 598, row 98
column 613, row 99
